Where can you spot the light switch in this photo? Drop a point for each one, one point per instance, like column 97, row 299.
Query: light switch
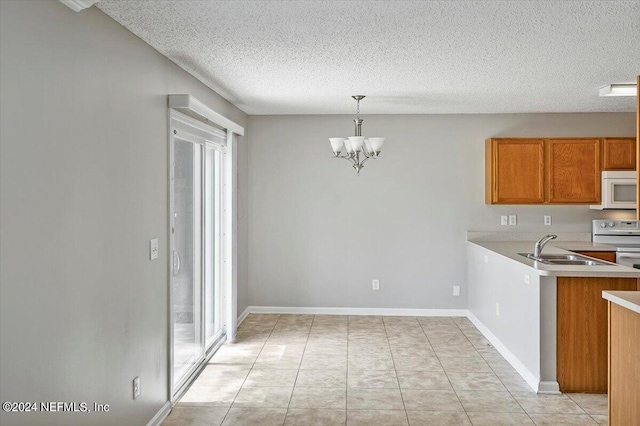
column 513, row 219
column 153, row 249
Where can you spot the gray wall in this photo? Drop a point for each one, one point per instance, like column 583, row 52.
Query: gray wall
column 83, row 187
column 319, row 234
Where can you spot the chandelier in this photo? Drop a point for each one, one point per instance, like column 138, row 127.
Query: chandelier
column 358, row 144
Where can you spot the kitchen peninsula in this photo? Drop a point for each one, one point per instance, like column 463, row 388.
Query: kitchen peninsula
column 549, row 321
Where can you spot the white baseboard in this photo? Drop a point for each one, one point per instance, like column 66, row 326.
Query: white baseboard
column 528, row 376
column 243, row 315
column 160, row 415
column 355, row 311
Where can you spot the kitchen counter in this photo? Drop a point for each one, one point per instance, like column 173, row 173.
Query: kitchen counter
column 626, row 299
column 510, row 250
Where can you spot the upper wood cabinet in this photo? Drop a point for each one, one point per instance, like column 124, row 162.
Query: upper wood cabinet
column 552, row 170
column 619, row 154
column 573, row 171
column 515, row 171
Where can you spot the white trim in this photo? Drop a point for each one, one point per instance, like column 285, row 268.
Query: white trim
column 78, row 5
column 356, row 311
column 243, row 315
column 160, row 415
column 196, row 109
column 531, row 379
column 230, row 238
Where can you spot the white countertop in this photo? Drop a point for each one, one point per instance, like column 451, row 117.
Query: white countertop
column 510, row 249
column 627, row 299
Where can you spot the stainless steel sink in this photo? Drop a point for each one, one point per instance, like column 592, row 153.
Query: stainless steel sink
column 564, row 259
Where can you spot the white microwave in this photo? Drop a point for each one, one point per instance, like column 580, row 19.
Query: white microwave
column 618, row 191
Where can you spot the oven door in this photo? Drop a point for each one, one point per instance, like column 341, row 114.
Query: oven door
column 632, row 260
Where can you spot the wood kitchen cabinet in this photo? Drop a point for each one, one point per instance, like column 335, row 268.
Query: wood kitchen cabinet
column 618, row 154
column 515, row 171
column 552, row 170
column 573, row 171
column 581, row 351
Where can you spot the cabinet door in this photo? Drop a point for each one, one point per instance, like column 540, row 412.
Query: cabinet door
column 619, row 154
column 581, row 350
column 574, row 171
column 516, row 168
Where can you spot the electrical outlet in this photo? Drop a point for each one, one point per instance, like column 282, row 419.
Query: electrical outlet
column 456, row 290
column 504, row 220
column 486, row 259
column 527, row 279
column 375, row 284
column 497, row 310
column 513, row 220
column 136, row 387
column 153, row 249
column 547, row 219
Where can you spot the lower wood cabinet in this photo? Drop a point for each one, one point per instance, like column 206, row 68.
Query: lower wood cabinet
column 581, row 358
column 624, row 374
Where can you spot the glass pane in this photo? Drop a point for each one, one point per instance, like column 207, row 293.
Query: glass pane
column 186, row 282
column 624, row 193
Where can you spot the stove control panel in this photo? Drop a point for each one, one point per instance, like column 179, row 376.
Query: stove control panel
column 616, row 227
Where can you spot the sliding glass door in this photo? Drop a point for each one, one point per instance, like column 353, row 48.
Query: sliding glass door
column 195, row 226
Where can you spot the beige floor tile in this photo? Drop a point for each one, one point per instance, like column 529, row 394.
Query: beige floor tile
column 255, row 416
column 330, row 319
column 372, row 379
column 319, row 398
column 514, row 383
column 437, row 418
column 476, row 381
column 220, row 374
column 547, row 404
column 421, row 350
column 430, row 400
column 321, row 379
column 416, row 363
column 376, row 417
column 315, row 417
column 371, row 363
column 455, row 351
column 284, row 349
column 325, row 348
column 214, row 396
column 562, row 420
column 469, row 364
column 591, row 403
column 423, row 380
column 195, row 416
column 323, row 362
column 374, row 399
column 263, row 397
column 602, row 420
column 284, row 362
column 365, row 319
column 356, row 350
column 277, row 378
column 368, row 339
column 499, row 419
column 280, row 338
column 485, row 401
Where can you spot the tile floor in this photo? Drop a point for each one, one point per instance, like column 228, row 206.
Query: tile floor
column 373, row 371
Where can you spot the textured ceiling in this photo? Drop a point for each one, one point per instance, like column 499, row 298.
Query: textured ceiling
column 309, row 57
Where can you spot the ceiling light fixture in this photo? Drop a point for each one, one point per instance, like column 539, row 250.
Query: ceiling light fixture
column 355, row 145
column 619, row 90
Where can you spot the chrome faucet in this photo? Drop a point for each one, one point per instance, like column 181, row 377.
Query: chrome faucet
column 537, row 251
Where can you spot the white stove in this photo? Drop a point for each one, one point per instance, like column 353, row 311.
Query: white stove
column 622, row 234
